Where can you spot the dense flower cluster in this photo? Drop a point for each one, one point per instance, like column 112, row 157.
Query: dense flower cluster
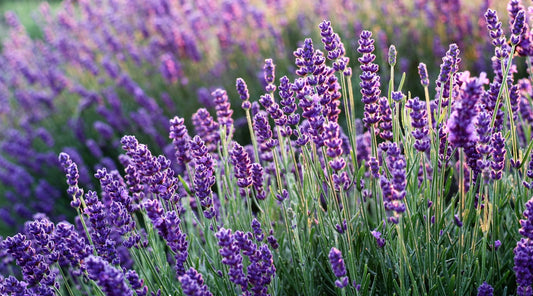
column 215, row 214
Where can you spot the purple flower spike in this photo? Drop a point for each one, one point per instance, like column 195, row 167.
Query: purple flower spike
column 337, row 265
column 242, row 90
column 370, row 81
column 204, row 176
column 448, row 68
column 257, row 180
column 224, row 111
column 379, row 240
column 71, row 170
column 192, row 284
column 136, row 283
column 269, row 75
column 461, row 122
column 485, row 290
column 206, row 128
column 180, row 140
column 108, row 278
column 423, row 73
column 335, row 48
column 263, row 133
column 231, row 257
column 529, row 173
column 419, row 122
column 386, row 119
column 498, row 156
column 523, row 266
column 168, row 227
column 518, row 27
column 495, row 28
column 241, row 162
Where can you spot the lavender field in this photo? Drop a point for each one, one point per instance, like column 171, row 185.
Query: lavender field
column 251, row 147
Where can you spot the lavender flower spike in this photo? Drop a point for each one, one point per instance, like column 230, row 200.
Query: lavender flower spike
column 180, row 140
column 71, row 170
column 485, row 290
column 204, row 176
column 370, row 81
column 224, row 110
column 269, row 73
column 192, row 284
column 242, row 90
column 423, row 73
column 339, row 269
column 461, row 122
column 108, row 278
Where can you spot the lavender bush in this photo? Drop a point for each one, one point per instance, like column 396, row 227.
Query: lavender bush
column 423, row 195
column 106, row 68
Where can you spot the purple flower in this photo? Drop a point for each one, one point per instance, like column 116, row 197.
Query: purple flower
column 204, row 175
column 419, row 122
column 495, row 28
column 180, row 140
column 136, row 283
column 523, row 266
column 242, row 165
column 341, row 228
column 257, row 180
column 337, row 265
column 108, row 278
column 394, row 190
column 335, row 48
column 193, row 284
column 72, row 248
column 497, row 244
column 100, row 232
column 224, row 111
column 498, row 156
column 242, row 90
column 306, row 61
column 423, row 73
column 370, row 81
column 334, row 145
column 461, row 122
column 518, row 27
column 485, row 290
column 71, row 170
column 379, row 240
column 206, row 128
column 269, row 75
column 448, row 68
column 168, row 227
column 386, row 119
column 258, row 232
column 231, row 257
column 263, row 133
column 273, row 110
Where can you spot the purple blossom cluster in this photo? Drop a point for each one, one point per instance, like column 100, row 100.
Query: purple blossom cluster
column 204, row 177
column 523, row 251
column 339, row 269
column 370, row 81
column 261, row 268
column 393, row 188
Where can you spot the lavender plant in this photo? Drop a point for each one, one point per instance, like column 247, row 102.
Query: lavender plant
column 415, row 199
